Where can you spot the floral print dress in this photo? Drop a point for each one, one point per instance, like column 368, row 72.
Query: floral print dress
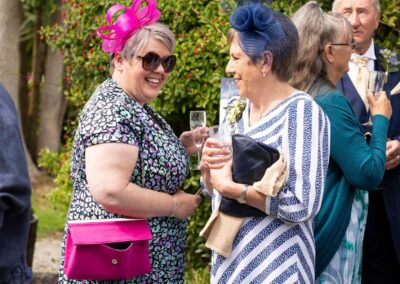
column 111, row 116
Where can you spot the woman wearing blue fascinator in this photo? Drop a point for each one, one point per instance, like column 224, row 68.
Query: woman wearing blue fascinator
column 278, row 246
column 127, row 163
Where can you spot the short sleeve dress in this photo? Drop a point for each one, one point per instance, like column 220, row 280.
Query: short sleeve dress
column 111, row 116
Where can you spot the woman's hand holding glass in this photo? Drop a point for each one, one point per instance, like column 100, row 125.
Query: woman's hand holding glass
column 215, row 155
column 376, row 82
column 187, row 138
column 379, row 104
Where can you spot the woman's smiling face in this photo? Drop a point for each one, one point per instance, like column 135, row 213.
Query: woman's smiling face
column 139, row 83
column 243, row 69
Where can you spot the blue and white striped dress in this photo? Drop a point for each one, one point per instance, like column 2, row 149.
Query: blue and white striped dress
column 279, row 248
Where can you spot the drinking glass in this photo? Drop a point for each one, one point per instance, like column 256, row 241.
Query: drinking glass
column 222, row 133
column 376, row 81
column 197, row 119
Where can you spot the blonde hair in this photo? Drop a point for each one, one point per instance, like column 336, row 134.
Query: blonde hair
column 316, row 28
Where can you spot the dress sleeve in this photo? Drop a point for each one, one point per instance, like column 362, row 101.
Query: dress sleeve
column 362, row 164
column 111, row 123
column 305, row 144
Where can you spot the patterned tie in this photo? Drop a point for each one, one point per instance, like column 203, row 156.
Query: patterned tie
column 361, row 83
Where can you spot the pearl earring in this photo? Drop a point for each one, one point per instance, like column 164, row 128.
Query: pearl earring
column 264, row 74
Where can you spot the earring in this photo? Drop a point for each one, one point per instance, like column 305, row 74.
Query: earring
column 264, row 74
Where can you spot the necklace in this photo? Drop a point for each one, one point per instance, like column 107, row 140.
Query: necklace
column 257, row 116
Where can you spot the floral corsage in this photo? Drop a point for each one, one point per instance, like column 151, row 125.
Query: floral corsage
column 390, row 64
column 234, row 111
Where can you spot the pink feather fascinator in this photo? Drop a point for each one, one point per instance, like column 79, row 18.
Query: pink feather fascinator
column 115, row 34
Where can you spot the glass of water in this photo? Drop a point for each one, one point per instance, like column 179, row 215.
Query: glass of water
column 222, row 133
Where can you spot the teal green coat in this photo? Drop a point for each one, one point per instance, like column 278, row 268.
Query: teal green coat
column 352, row 164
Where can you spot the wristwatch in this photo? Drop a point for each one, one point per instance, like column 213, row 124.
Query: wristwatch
column 243, row 194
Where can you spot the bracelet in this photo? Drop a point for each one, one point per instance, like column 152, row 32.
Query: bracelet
column 174, row 209
column 243, row 194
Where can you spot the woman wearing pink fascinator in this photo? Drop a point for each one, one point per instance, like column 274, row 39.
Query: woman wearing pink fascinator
column 126, row 161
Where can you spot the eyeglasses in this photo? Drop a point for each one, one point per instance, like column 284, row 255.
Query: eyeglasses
column 352, row 43
column 151, row 61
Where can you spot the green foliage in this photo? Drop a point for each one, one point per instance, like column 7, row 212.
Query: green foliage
column 199, row 255
column 202, row 50
column 51, row 219
column 197, row 276
column 200, row 28
column 58, row 165
column 388, row 33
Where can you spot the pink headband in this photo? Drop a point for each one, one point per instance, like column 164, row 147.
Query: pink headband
column 126, row 24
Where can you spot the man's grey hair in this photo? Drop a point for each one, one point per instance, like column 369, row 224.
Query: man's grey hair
column 375, row 3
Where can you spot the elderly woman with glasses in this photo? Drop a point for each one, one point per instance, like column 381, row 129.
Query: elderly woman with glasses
column 126, row 160
column 278, row 245
column 326, row 43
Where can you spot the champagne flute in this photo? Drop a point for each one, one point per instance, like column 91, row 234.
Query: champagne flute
column 197, row 119
column 376, row 81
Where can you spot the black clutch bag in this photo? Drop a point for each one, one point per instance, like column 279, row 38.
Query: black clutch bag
column 249, row 163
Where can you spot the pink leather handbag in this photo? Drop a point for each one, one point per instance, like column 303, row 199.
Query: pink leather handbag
column 109, row 249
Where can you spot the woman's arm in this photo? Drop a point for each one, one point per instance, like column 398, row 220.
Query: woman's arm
column 109, row 168
column 362, row 164
column 305, row 143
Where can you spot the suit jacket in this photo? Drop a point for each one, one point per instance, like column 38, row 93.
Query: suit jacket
column 391, row 180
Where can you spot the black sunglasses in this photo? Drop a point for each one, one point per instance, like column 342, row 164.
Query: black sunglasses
column 151, row 61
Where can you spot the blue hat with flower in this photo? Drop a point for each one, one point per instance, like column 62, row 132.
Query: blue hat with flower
column 261, row 29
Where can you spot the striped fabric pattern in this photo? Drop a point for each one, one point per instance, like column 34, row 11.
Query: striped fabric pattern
column 279, row 248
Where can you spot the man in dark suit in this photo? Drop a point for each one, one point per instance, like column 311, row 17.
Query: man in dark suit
column 381, row 249
column 15, row 194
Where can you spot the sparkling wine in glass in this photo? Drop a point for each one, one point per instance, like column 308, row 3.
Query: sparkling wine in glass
column 197, row 119
column 376, row 82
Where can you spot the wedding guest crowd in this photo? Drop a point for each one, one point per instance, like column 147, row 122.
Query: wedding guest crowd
column 330, row 208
